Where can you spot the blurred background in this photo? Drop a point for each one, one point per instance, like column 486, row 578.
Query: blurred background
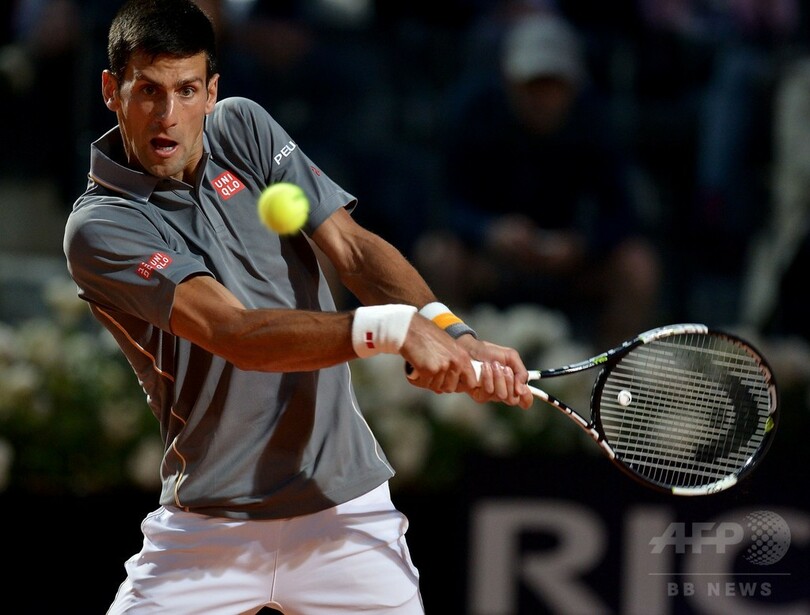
column 566, row 174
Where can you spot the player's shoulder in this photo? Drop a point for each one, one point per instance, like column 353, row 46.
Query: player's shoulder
column 235, row 121
column 100, row 209
column 236, row 104
column 241, row 131
column 236, row 111
column 98, row 197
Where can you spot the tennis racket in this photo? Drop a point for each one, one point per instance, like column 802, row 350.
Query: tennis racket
column 681, row 408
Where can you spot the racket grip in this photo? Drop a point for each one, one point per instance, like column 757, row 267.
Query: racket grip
column 411, row 374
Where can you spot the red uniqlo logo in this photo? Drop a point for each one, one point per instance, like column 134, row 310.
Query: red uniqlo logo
column 227, row 185
column 369, row 339
column 157, row 261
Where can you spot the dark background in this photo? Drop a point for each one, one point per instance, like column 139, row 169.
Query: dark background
column 67, row 553
column 367, row 105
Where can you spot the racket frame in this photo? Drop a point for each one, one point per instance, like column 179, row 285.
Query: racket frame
column 611, row 357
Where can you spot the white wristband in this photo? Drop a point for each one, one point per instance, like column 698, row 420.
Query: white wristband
column 380, row 328
column 433, row 309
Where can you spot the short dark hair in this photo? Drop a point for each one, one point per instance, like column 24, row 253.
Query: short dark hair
column 177, row 28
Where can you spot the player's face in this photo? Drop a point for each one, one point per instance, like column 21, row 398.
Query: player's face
column 161, row 104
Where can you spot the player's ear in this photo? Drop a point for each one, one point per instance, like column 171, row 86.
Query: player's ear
column 213, row 87
column 109, row 90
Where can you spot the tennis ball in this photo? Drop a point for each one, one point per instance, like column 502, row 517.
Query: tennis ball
column 283, row 207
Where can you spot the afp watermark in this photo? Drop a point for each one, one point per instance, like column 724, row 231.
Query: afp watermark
column 732, row 559
column 764, row 534
column 565, row 556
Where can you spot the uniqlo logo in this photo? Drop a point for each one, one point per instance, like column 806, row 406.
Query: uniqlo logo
column 227, row 185
column 157, row 261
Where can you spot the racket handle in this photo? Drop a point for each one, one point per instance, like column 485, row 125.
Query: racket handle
column 410, row 372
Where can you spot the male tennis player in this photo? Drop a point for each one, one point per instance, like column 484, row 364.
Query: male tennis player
column 275, row 493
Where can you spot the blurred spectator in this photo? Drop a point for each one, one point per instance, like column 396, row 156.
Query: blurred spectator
column 540, row 200
column 325, row 72
column 734, row 149
column 706, row 73
column 790, row 312
column 773, row 299
column 37, row 72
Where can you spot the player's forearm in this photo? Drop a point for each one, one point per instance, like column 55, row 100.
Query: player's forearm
column 207, row 314
column 381, row 274
column 283, row 340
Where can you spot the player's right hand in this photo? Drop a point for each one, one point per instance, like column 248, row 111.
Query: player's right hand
column 437, row 361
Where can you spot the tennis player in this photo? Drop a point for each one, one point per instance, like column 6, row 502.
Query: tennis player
column 274, row 490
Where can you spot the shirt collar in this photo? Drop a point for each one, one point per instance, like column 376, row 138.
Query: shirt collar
column 108, row 168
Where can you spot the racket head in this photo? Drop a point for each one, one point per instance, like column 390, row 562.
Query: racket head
column 688, row 412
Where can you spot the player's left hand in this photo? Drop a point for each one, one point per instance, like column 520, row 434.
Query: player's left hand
column 503, row 374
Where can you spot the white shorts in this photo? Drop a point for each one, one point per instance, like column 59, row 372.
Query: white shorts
column 348, row 559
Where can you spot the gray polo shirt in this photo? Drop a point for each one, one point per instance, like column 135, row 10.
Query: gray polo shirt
column 238, row 444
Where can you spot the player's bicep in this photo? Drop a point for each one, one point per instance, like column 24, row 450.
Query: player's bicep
column 341, row 240
column 370, row 267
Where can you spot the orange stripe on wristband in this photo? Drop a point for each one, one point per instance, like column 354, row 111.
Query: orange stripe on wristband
column 446, row 320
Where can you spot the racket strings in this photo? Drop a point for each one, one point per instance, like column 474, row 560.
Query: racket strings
column 699, row 410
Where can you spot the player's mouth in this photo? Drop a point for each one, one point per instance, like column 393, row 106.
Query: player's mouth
column 163, row 147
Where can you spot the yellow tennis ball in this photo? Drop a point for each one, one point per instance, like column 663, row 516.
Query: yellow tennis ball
column 283, row 207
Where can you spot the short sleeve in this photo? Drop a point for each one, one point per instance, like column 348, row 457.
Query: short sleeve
column 118, row 257
column 246, row 135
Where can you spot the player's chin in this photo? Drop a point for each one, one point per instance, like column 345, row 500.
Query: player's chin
column 162, row 165
column 163, row 169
